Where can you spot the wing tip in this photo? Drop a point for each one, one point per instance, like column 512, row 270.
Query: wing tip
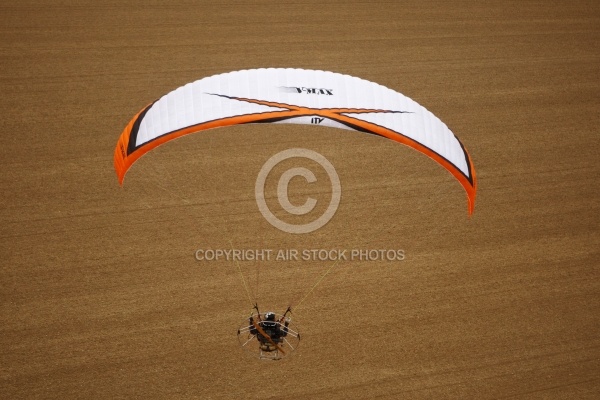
column 471, row 205
column 472, row 193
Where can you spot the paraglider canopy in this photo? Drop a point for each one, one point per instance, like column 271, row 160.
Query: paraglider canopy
column 277, row 95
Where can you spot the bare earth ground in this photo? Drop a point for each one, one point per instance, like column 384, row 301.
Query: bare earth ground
column 101, row 296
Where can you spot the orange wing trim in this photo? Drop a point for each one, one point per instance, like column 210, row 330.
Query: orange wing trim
column 123, row 161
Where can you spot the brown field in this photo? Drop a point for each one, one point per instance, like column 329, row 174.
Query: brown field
column 102, row 297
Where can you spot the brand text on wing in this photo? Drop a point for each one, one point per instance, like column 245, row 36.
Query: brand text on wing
column 305, row 90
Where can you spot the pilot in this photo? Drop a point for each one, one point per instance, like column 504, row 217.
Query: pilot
column 271, row 328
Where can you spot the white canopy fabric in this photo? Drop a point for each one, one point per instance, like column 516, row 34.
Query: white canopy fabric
column 278, row 95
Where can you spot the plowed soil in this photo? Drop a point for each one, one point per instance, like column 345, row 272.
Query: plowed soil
column 102, row 295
